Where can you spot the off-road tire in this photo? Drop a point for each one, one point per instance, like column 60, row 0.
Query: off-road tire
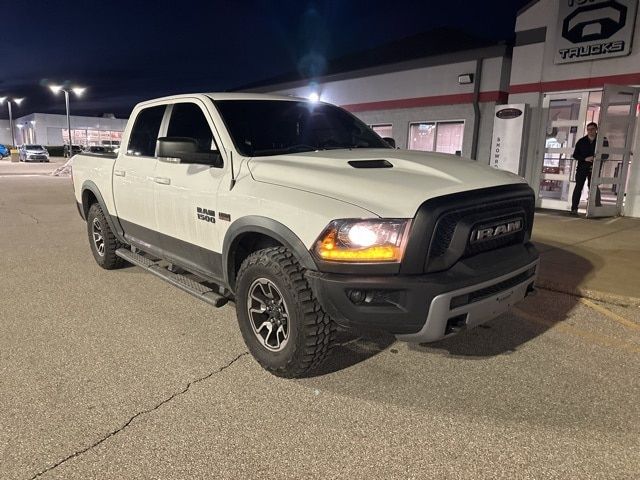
column 108, row 258
column 310, row 330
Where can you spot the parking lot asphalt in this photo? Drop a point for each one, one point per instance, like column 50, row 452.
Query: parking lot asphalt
column 9, row 168
column 116, row 374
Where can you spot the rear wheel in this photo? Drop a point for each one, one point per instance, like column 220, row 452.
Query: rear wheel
column 282, row 323
column 102, row 240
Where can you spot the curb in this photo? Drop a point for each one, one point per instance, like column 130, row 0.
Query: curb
column 588, row 293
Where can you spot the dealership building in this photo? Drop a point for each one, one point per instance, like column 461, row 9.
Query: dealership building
column 521, row 108
column 51, row 129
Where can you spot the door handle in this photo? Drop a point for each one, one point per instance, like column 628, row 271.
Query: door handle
column 119, row 173
column 162, row 180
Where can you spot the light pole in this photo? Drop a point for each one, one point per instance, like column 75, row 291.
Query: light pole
column 20, row 127
column 17, row 101
column 78, row 91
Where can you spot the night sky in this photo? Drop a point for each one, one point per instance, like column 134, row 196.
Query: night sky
column 129, row 51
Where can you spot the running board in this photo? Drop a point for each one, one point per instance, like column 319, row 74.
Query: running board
column 183, row 283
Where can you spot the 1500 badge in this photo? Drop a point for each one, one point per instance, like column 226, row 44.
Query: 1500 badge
column 206, row 215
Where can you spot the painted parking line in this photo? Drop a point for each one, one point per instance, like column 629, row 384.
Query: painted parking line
column 612, row 221
column 596, row 339
column 609, row 314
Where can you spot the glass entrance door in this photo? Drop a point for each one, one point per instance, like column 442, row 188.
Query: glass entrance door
column 565, row 125
column 618, row 113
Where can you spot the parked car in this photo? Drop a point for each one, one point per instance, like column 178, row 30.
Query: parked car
column 111, row 143
column 33, row 153
column 75, row 149
column 100, row 149
column 4, row 151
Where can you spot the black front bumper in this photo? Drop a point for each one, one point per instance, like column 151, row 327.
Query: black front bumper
column 400, row 304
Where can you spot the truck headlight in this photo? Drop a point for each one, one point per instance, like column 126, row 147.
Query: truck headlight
column 363, row 241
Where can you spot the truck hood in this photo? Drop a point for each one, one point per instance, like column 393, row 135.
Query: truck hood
column 394, row 192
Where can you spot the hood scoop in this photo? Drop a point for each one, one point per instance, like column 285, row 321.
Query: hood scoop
column 370, row 164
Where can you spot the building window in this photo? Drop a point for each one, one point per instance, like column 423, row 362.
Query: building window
column 384, row 130
column 444, row 137
column 422, row 136
column 92, row 137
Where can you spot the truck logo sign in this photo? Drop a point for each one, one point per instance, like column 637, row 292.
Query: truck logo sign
column 495, row 230
column 594, row 22
column 594, row 29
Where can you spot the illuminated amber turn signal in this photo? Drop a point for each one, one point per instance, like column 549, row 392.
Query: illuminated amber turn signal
column 372, row 254
column 333, row 245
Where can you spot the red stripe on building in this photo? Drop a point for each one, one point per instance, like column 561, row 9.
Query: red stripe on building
column 576, row 83
column 495, row 96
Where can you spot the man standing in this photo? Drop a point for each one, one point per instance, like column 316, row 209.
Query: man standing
column 583, row 153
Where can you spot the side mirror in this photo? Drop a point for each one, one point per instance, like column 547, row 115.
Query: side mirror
column 390, row 141
column 185, row 150
column 176, row 147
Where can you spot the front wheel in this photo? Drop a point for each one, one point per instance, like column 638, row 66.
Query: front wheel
column 282, row 323
column 102, row 240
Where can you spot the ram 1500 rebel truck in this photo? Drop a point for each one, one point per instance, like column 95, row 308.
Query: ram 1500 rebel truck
column 308, row 221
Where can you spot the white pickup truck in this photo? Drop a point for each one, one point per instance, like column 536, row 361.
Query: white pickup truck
column 309, row 221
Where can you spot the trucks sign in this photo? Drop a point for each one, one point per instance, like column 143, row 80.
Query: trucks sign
column 594, row 29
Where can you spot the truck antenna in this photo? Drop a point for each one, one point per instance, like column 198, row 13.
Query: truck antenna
column 233, row 178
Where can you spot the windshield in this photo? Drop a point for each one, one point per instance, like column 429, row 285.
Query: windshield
column 275, row 127
column 33, row 147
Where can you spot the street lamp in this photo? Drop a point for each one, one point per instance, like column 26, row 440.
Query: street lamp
column 78, row 91
column 17, row 101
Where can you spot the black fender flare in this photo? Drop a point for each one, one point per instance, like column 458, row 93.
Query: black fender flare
column 266, row 226
column 114, row 224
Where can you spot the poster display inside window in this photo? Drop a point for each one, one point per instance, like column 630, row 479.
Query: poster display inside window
column 385, row 130
column 93, row 137
column 449, row 137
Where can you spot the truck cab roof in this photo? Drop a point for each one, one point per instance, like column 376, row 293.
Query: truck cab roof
column 227, row 96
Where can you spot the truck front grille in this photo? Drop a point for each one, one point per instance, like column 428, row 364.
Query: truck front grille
column 442, row 227
column 487, row 292
column 447, row 224
column 466, row 218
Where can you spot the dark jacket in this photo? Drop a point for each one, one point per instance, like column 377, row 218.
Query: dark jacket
column 586, row 148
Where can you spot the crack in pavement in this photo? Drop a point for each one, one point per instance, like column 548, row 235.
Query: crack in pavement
column 597, row 295
column 28, row 215
column 143, row 412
